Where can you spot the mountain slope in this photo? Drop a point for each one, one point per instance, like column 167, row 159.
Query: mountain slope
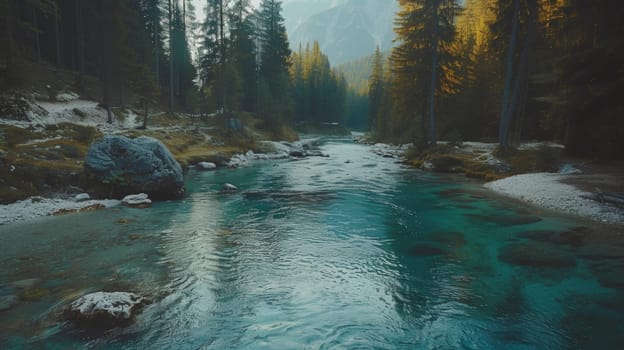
column 345, row 29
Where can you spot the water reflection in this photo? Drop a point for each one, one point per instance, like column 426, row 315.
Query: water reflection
column 350, row 251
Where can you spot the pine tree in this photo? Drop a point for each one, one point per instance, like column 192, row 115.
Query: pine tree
column 214, row 58
column 276, row 102
column 516, row 62
column 375, row 91
column 425, row 30
column 242, row 53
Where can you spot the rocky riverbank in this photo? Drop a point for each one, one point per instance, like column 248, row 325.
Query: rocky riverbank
column 537, row 173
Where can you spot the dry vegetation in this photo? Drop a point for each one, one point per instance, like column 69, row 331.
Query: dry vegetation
column 39, row 161
column 445, row 158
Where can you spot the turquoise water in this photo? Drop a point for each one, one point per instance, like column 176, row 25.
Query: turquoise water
column 353, row 251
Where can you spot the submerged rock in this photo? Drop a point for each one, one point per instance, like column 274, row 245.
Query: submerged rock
column 536, row 255
column 7, row 302
column 106, row 310
column 453, row 239
column 424, row 250
column 507, row 220
column 33, row 294
column 229, row 188
column 25, row 284
column 573, row 238
column 118, row 165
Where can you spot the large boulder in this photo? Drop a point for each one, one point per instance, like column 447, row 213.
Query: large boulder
column 117, row 166
column 105, row 310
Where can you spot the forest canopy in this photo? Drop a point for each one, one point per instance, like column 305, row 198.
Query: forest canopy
column 488, row 70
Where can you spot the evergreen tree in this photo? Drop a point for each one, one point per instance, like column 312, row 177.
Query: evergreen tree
column 242, row 53
column 274, row 86
column 152, row 13
column 375, row 91
column 319, row 91
column 425, row 30
column 213, row 60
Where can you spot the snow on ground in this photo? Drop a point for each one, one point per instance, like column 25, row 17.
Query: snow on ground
column 281, row 150
column 36, row 207
column 70, row 109
column 390, row 151
column 546, row 190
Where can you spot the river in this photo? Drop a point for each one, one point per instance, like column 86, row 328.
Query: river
column 352, row 251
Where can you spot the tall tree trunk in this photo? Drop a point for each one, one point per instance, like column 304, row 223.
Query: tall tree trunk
column 520, row 80
column 9, row 33
column 222, row 49
column 177, row 64
column 183, row 40
column 105, row 32
column 145, row 110
column 37, row 41
column 155, row 21
column 171, row 54
column 502, row 139
column 80, row 42
column 434, row 74
column 57, row 37
column 121, row 94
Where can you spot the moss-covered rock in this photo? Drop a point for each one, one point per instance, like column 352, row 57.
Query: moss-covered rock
column 117, row 166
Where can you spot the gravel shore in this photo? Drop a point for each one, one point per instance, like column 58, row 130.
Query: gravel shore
column 547, row 190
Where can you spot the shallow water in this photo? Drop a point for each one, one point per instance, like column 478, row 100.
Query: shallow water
column 353, row 251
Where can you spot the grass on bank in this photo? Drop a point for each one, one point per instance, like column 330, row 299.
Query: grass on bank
column 446, row 158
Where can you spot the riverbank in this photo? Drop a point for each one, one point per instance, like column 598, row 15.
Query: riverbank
column 44, row 140
column 36, row 207
column 555, row 192
column 537, row 173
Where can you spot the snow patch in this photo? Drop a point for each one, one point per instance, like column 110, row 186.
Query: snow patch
column 206, row 166
column 390, row 151
column 33, row 208
column 136, row 199
column 546, row 190
column 67, row 97
column 118, row 305
column 69, row 108
column 82, row 197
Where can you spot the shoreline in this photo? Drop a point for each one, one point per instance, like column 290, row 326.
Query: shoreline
column 37, row 207
column 548, row 191
column 564, row 193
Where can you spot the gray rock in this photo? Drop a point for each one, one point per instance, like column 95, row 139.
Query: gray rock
column 7, row 302
column 82, row 197
column 105, row 310
column 15, row 107
column 119, row 166
column 36, row 199
column 229, row 188
column 137, row 200
column 206, row 166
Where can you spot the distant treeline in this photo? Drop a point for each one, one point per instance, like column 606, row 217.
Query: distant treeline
column 238, row 59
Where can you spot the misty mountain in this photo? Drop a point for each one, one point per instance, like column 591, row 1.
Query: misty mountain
column 345, row 29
